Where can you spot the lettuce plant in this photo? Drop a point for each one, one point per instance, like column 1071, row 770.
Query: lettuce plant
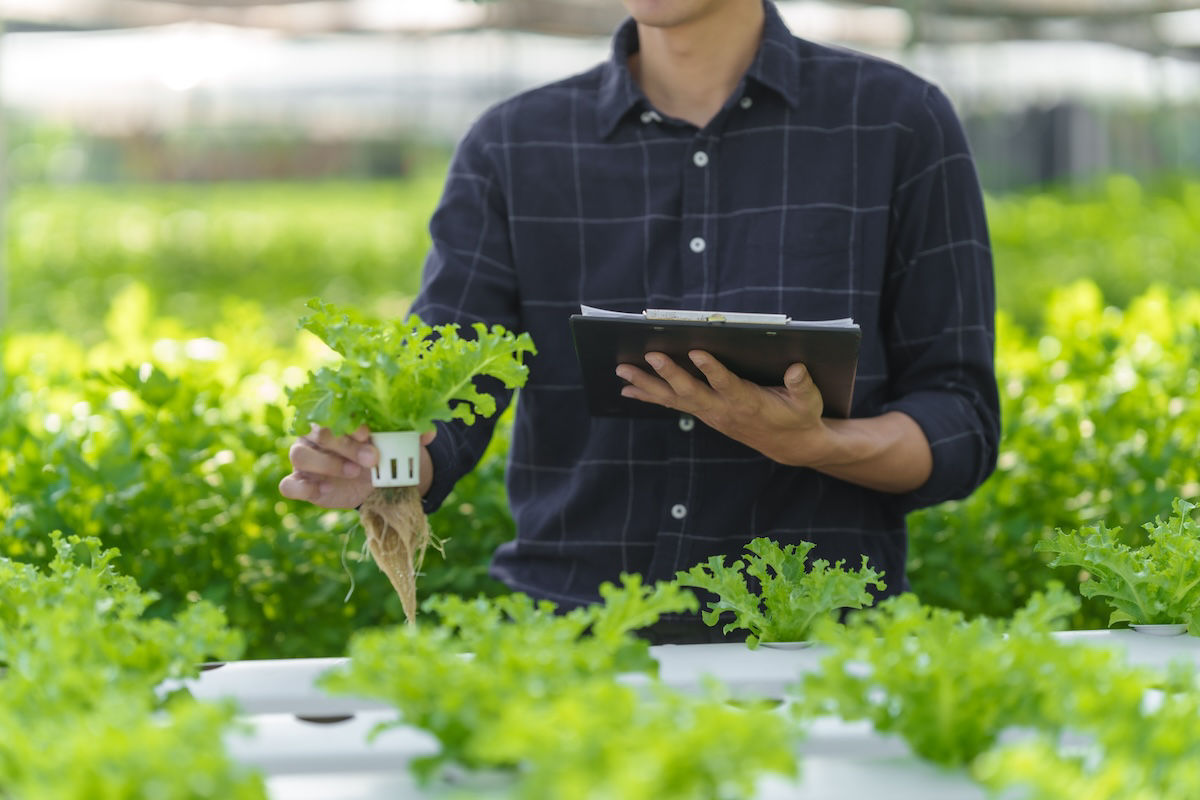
column 402, row 376
column 949, row 686
column 603, row 739
column 1154, row 584
column 543, row 697
column 523, row 654
column 81, row 714
column 1136, row 735
column 790, row 596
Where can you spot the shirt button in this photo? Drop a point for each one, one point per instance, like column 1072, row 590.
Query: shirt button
column 679, row 511
column 686, row 422
column 697, row 245
column 650, row 116
column 700, row 158
column 745, row 102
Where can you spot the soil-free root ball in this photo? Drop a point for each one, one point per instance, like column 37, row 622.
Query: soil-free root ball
column 397, row 376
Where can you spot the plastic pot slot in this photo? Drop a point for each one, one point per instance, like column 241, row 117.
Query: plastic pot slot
column 399, row 459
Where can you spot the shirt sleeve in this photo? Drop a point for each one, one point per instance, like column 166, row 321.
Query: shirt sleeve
column 939, row 306
column 468, row 277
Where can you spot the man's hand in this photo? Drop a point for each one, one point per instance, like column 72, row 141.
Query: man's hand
column 888, row 453
column 335, row 471
column 782, row 422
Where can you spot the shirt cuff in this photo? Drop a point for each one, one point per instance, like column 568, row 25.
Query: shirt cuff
column 441, row 452
column 962, row 458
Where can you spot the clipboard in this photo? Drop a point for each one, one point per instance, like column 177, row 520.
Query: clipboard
column 755, row 347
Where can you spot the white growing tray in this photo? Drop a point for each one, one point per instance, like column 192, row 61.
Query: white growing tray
column 313, row 745
column 307, row 761
column 288, row 685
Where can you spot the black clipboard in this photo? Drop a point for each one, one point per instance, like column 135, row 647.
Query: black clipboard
column 757, row 352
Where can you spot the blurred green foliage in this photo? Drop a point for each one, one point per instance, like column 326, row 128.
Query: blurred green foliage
column 1100, row 424
column 153, row 331
column 81, row 716
column 1117, row 232
column 71, row 250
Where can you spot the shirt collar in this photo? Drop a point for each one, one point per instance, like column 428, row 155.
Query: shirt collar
column 777, row 63
column 776, row 66
column 618, row 92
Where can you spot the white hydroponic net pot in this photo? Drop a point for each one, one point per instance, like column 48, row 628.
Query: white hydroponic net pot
column 399, row 459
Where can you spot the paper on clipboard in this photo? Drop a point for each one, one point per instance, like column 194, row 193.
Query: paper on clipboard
column 693, row 315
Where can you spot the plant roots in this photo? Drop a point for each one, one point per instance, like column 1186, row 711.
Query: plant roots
column 398, row 533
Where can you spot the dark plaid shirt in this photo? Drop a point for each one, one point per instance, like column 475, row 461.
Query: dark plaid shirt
column 830, row 184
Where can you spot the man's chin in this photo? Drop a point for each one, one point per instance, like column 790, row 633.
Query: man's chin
column 669, row 13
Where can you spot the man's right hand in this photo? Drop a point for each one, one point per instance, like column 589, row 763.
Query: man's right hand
column 335, row 471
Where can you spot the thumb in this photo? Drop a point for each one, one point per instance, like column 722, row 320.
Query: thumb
column 428, row 436
column 796, row 379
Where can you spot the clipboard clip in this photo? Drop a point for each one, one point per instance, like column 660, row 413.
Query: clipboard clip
column 688, row 315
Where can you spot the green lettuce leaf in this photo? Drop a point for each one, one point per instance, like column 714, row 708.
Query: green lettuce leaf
column 1154, row 584
column 403, row 375
column 791, row 596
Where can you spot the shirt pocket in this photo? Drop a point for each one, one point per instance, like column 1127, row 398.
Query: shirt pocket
column 803, row 258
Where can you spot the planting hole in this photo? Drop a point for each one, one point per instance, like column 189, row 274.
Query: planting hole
column 410, row 468
column 395, row 473
column 329, row 720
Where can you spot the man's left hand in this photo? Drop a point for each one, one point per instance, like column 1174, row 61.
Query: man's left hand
column 782, row 422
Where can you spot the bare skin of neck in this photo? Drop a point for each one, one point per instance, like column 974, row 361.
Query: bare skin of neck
column 689, row 68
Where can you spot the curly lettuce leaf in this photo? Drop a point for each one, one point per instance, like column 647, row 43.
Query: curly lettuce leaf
column 524, row 655
column 404, row 375
column 950, row 686
column 1135, row 749
column 792, row 596
column 82, row 712
column 1154, row 584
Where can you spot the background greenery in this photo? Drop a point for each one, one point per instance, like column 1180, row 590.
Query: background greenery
column 153, row 328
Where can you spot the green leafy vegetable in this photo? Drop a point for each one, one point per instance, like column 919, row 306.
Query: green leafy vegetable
column 403, row 375
column 1135, row 734
column 602, row 739
column 949, row 686
column 523, row 654
column 790, row 599
column 1098, row 425
column 80, row 712
column 539, row 694
column 1156, row 583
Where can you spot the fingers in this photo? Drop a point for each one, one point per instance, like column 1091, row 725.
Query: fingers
column 671, row 388
column 718, row 377
column 298, row 486
column 679, row 381
column 676, row 387
column 308, row 457
column 356, row 447
column 326, row 492
column 330, row 471
column 641, row 386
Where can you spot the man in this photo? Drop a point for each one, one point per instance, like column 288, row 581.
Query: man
column 714, row 162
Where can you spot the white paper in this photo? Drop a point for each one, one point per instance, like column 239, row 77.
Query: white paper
column 717, row 317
